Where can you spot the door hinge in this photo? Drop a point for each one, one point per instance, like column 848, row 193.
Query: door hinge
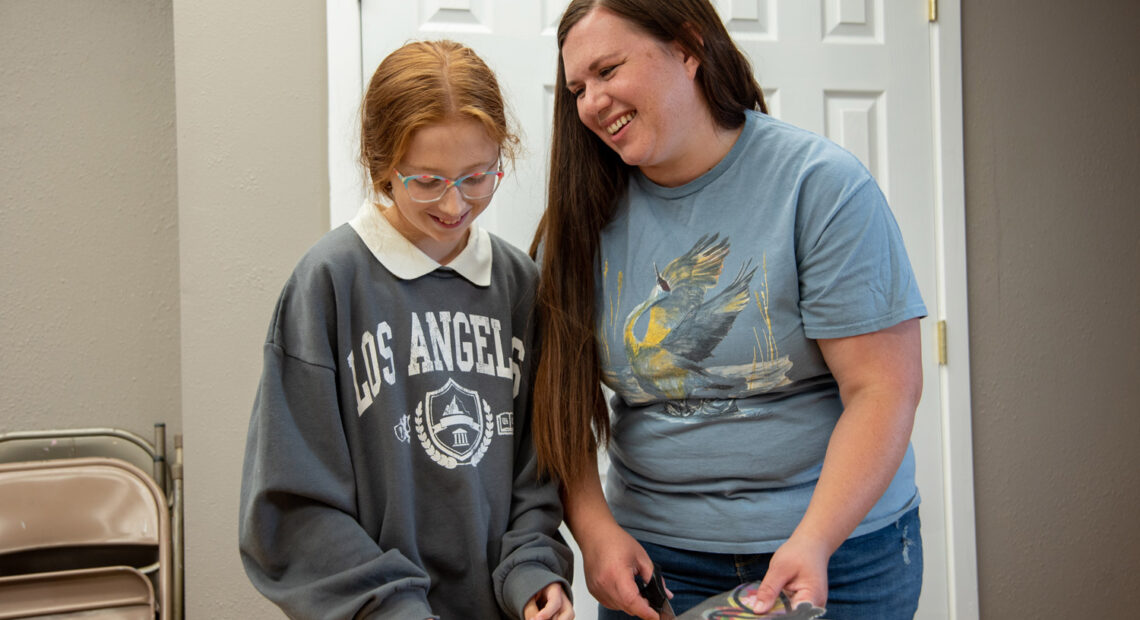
column 932, row 10
column 941, row 327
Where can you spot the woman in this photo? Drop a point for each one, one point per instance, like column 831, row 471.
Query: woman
column 745, row 292
column 389, row 470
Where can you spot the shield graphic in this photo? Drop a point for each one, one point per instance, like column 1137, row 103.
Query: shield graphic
column 454, row 420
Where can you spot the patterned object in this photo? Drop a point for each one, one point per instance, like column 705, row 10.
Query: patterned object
column 740, row 604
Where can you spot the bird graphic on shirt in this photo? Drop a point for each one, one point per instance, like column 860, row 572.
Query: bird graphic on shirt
column 683, row 327
column 670, row 336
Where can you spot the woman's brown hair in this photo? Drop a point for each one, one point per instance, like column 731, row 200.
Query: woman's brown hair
column 586, row 180
column 421, row 83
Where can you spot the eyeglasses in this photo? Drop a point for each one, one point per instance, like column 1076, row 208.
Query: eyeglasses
column 430, row 188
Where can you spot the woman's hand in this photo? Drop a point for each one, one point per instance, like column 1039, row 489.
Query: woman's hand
column 799, row 567
column 550, row 603
column 610, row 559
column 610, row 556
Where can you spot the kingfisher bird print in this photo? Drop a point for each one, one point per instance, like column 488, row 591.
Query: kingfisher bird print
column 671, row 336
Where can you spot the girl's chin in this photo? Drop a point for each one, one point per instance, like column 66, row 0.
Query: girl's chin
column 450, row 236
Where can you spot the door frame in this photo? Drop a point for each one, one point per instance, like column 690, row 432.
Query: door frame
column 950, row 308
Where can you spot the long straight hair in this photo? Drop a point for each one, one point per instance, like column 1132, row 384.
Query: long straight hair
column 586, row 180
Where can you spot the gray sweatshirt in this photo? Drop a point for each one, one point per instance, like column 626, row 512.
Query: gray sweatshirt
column 389, row 470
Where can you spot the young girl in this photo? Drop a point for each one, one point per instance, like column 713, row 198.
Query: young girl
column 389, row 470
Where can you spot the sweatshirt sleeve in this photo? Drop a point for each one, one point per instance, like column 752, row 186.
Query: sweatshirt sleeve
column 300, row 541
column 534, row 553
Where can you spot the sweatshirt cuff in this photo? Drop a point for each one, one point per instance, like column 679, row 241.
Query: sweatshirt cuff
column 526, row 580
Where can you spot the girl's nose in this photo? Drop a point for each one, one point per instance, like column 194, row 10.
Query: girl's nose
column 452, row 202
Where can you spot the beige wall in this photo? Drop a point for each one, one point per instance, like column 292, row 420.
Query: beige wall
column 252, row 196
column 89, row 306
column 94, row 326
column 1052, row 135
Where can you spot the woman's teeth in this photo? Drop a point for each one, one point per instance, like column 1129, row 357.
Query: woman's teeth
column 621, row 122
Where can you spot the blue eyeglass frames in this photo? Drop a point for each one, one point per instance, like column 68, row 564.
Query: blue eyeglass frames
column 430, row 187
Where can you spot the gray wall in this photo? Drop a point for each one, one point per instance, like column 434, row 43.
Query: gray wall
column 1052, row 135
column 126, row 300
column 89, row 309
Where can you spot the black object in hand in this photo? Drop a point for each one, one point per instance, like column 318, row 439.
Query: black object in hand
column 654, row 592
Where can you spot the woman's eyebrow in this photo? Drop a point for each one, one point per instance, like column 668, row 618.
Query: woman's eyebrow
column 593, row 67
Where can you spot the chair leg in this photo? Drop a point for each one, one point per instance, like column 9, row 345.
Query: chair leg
column 176, row 531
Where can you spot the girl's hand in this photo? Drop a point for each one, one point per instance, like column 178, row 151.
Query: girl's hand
column 550, row 603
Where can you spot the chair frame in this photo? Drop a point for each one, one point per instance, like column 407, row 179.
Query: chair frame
column 69, row 593
column 166, row 476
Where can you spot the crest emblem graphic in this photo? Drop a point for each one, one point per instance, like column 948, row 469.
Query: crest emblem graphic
column 506, row 423
column 401, row 430
column 454, row 425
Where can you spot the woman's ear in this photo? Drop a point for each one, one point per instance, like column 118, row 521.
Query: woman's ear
column 682, row 55
column 690, row 60
column 692, row 63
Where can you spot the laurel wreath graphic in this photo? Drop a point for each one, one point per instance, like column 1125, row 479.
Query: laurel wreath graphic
column 448, row 461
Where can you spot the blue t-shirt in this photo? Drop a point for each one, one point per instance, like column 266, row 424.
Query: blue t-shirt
column 710, row 298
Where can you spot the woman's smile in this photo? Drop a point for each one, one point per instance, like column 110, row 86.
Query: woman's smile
column 617, row 125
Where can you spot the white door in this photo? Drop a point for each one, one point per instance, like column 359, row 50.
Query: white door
column 857, row 71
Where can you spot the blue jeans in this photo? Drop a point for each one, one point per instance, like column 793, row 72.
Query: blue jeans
column 876, row 576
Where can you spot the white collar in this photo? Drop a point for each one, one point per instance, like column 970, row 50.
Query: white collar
column 408, row 262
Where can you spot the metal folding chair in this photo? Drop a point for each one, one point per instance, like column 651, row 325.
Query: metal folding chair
column 114, row 592
column 61, row 465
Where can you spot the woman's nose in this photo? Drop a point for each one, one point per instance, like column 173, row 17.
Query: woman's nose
column 593, row 105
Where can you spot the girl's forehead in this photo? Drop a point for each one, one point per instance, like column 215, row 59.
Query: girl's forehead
column 457, row 142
